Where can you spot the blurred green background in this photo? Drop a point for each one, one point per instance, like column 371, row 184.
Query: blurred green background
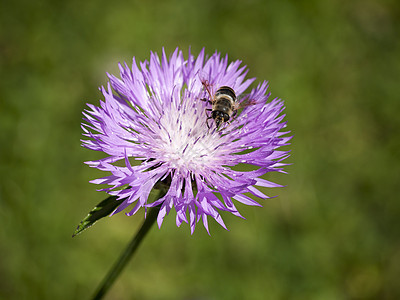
column 333, row 232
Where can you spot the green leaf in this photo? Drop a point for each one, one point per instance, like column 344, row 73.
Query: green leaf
column 103, row 209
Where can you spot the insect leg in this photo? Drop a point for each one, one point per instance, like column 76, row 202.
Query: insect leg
column 207, row 122
column 206, row 100
column 208, row 117
column 234, row 113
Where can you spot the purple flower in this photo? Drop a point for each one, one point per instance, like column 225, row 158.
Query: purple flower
column 156, row 115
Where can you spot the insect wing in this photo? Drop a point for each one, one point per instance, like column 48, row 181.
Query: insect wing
column 244, row 101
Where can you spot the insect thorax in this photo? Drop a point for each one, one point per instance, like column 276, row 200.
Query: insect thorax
column 223, row 103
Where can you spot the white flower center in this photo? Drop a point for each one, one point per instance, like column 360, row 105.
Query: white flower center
column 186, row 141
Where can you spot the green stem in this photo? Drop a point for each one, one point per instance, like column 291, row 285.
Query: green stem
column 127, row 254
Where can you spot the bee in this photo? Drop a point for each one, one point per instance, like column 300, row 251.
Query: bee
column 224, row 103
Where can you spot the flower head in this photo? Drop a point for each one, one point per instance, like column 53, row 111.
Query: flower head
column 156, row 113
